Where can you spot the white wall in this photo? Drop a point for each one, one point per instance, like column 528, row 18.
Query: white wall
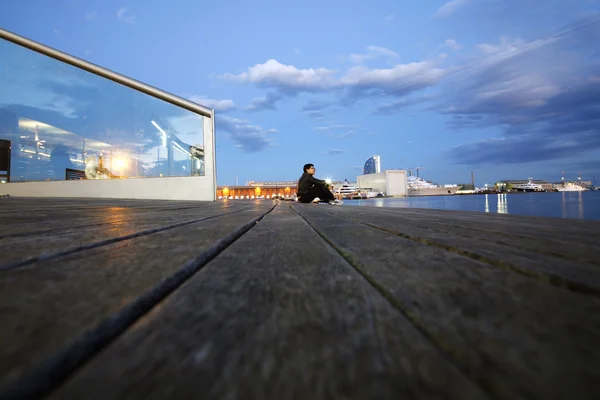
column 392, row 182
column 395, row 183
column 172, row 188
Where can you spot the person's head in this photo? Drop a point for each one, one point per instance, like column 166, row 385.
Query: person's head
column 309, row 169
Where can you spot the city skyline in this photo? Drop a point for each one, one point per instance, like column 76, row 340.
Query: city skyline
column 448, row 87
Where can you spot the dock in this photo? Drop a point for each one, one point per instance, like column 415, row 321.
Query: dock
column 139, row 299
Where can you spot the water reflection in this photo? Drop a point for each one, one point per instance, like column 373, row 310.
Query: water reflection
column 502, row 203
column 487, row 204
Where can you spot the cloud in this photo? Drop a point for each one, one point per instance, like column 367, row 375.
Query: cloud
column 452, row 44
column 128, row 19
column 450, row 8
column 356, row 83
column 345, row 134
column 286, row 78
column 316, row 105
column 267, row 102
column 332, row 127
column 318, row 115
column 296, row 50
column 336, row 151
column 246, row 136
column 373, row 52
column 91, row 15
column 541, row 94
column 395, row 106
column 399, row 80
column 215, row 104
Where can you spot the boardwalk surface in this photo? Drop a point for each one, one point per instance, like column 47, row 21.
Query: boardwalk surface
column 129, row 299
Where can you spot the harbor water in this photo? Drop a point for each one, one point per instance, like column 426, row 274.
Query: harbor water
column 576, row 205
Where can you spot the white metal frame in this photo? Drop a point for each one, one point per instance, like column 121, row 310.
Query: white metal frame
column 139, row 188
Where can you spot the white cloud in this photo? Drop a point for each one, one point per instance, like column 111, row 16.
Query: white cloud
column 128, row 19
column 450, row 8
column 373, row 52
column 290, row 80
column 402, row 77
column 91, row 15
column 286, row 77
column 215, row 104
column 452, row 44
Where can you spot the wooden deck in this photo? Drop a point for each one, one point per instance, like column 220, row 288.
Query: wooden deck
column 113, row 299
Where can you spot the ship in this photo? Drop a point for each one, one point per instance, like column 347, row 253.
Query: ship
column 528, row 187
column 420, row 187
column 347, row 191
column 571, row 187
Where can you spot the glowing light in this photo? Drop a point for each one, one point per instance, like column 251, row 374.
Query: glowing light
column 119, row 163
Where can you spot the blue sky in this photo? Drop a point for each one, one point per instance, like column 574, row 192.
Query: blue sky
column 506, row 88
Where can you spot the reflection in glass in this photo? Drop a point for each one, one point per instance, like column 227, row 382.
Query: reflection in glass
column 67, row 123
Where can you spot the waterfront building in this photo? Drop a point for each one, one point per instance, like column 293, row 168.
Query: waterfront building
column 372, row 165
column 260, row 190
column 69, row 128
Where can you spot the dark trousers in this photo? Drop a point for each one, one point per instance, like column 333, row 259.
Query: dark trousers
column 319, row 191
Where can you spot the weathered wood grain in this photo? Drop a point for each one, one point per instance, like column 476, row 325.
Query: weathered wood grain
column 520, row 337
column 278, row 315
column 48, row 305
column 18, row 249
column 507, row 222
column 575, row 273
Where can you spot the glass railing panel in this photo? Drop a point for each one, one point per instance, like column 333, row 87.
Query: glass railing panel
column 66, row 123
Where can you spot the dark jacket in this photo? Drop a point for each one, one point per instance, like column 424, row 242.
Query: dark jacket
column 306, row 182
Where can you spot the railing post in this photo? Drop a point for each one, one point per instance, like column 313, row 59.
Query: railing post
column 210, row 165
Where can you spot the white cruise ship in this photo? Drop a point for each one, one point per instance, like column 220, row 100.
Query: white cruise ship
column 571, row 187
column 528, row 187
column 420, row 187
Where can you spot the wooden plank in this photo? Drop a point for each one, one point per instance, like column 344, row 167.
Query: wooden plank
column 22, row 250
column 277, row 315
column 553, row 242
column 520, row 337
column 574, row 273
column 45, row 307
column 21, row 222
column 510, row 222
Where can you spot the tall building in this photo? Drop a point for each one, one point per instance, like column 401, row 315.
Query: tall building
column 372, row 165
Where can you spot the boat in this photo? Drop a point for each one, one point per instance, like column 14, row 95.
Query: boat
column 571, row 187
column 417, row 186
column 348, row 191
column 528, row 187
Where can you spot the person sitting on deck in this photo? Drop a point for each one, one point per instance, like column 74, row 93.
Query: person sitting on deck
column 310, row 188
